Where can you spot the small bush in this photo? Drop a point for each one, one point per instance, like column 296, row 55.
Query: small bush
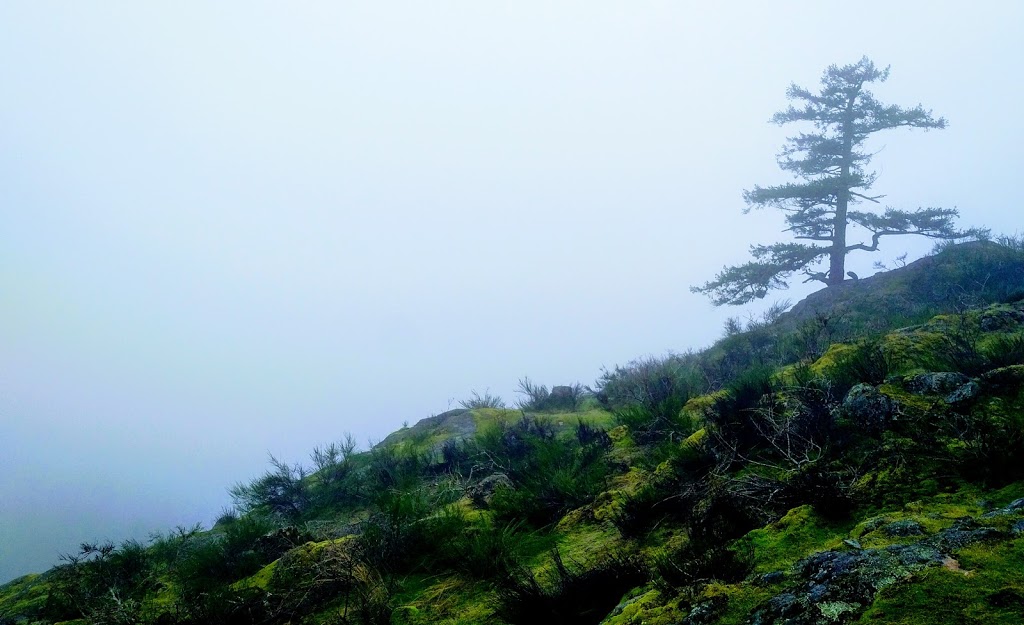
column 394, row 467
column 1004, row 351
column 550, row 474
column 636, row 513
column 490, row 551
column 696, row 564
column 102, row 583
column 476, row 400
column 574, row 595
column 537, row 397
column 657, row 384
column 732, row 421
column 587, row 434
column 282, row 491
column 868, row 363
column 334, row 472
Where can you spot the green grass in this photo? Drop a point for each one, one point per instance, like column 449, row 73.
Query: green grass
column 24, row 595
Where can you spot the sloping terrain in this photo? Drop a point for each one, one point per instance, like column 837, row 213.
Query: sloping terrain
column 848, row 462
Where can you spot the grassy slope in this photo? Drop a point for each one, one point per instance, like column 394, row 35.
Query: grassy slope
column 987, row 586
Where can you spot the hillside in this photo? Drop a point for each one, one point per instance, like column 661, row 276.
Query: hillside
column 853, row 460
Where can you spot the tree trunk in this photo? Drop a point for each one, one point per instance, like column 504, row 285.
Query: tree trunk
column 837, row 255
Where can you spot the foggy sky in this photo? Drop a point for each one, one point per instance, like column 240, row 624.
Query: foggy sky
column 237, row 228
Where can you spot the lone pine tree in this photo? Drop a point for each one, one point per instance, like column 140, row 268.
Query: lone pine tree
column 829, row 165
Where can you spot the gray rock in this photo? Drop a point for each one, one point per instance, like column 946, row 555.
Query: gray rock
column 908, row 527
column 1018, row 528
column 483, row 491
column 868, row 409
column 561, row 398
column 954, row 539
column 873, row 524
column 705, row 612
column 964, row 394
column 939, row 383
column 1016, row 504
column 995, row 514
column 1001, row 320
column 833, row 587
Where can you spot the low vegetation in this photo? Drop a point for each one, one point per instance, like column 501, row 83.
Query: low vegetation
column 794, row 472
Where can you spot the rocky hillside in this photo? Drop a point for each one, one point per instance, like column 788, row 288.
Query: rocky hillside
column 855, row 460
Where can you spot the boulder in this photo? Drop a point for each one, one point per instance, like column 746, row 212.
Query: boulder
column 994, row 320
column 937, row 383
column 964, row 394
column 868, row 409
column 908, row 527
column 483, row 491
column 561, row 398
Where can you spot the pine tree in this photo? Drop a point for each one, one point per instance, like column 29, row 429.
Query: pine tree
column 830, row 166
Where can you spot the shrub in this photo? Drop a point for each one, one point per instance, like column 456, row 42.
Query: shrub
column 1004, row 351
column 657, row 384
column 587, row 434
column 476, row 400
column 649, row 426
column 550, row 474
column 489, row 551
column 282, row 491
column 312, row 574
column 534, row 395
column 334, row 472
column 456, row 457
column 394, row 467
column 731, row 419
column 537, row 397
column 102, row 583
column 695, row 564
column 575, row 595
column 867, row 363
column 635, row 513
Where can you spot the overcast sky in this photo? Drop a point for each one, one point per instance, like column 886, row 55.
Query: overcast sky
column 236, row 228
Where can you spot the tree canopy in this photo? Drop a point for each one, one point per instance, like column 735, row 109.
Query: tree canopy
column 829, row 164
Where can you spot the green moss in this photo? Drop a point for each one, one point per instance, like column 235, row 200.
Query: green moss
column 800, row 533
column 580, row 542
column 740, row 600
column 987, row 589
column 647, row 607
column 906, row 400
column 698, row 408
column 1008, row 493
column 260, row 579
column 445, row 601
column 836, row 353
column 696, row 439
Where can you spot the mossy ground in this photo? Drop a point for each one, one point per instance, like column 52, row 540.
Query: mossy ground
column 777, row 547
column 987, row 588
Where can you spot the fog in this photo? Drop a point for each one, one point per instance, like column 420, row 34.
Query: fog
column 237, row 228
